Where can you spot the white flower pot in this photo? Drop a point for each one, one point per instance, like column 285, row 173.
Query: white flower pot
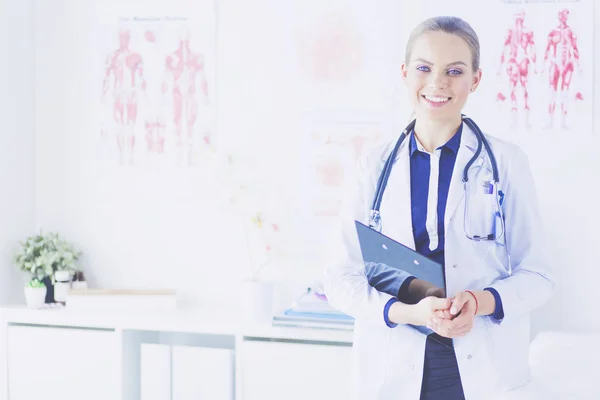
column 35, row 297
column 62, row 285
column 62, row 276
column 257, row 301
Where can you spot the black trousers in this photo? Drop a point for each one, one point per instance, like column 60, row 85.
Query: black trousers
column 441, row 378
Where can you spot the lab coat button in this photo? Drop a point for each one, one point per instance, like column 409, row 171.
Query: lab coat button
column 469, row 357
column 455, row 266
column 412, row 367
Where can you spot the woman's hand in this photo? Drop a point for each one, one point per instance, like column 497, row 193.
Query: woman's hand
column 420, row 313
column 458, row 324
column 429, row 308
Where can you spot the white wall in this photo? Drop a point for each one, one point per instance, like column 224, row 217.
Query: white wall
column 164, row 228
column 566, row 170
column 16, row 152
column 142, row 227
column 138, row 228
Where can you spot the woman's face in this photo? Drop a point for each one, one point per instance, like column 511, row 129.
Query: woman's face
column 439, row 75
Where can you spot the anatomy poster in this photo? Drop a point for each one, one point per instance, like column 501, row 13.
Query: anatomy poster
column 155, row 86
column 538, row 66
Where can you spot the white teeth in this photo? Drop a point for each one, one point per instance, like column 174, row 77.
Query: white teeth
column 436, row 99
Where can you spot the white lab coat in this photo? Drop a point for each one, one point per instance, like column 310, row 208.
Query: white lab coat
column 492, row 358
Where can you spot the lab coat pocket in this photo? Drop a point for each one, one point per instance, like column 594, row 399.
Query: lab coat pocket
column 483, row 217
column 490, row 352
column 489, row 337
column 509, row 349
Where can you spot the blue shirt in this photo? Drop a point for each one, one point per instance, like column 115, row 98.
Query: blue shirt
column 427, row 173
column 421, row 165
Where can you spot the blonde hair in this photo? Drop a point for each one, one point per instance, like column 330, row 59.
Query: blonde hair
column 453, row 25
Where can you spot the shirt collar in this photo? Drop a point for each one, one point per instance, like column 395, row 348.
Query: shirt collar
column 452, row 144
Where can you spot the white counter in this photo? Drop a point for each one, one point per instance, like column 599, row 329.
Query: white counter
column 150, row 355
column 190, row 321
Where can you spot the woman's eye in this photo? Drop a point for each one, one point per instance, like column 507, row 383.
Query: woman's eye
column 454, row 71
column 423, row 68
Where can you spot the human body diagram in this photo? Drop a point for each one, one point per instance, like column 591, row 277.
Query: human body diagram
column 186, row 87
column 518, row 57
column 519, row 60
column 173, row 96
column 561, row 57
column 124, row 81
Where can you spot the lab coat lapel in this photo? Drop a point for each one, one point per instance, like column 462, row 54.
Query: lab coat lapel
column 396, row 204
column 456, row 193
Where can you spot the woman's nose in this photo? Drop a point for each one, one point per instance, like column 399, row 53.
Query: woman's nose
column 438, row 79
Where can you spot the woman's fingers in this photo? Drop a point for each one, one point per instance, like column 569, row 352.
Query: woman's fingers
column 443, row 314
column 448, row 328
column 437, row 304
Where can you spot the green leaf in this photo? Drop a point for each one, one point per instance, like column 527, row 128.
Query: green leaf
column 45, row 254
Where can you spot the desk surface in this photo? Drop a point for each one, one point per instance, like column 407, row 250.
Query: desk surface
column 215, row 322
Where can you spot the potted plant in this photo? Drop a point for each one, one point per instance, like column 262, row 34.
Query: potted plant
column 257, row 294
column 35, row 293
column 48, row 259
column 249, row 190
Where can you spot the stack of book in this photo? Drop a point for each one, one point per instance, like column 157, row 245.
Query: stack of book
column 312, row 310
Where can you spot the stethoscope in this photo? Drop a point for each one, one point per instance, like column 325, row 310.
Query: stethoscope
column 375, row 216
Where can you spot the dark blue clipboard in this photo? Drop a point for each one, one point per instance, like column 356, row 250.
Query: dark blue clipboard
column 379, row 248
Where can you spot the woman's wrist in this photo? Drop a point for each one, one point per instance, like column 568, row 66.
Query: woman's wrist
column 401, row 313
column 486, row 302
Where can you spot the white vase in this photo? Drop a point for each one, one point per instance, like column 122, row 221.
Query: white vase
column 35, row 297
column 257, row 301
column 62, row 285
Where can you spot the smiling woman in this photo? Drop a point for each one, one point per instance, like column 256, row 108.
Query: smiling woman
column 441, row 68
column 464, row 346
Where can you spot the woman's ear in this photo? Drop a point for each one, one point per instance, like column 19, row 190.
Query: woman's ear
column 403, row 71
column 476, row 80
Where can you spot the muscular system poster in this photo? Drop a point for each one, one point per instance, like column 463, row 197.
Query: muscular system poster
column 537, row 59
column 156, row 87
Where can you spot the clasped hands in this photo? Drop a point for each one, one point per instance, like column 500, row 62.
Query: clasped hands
column 448, row 317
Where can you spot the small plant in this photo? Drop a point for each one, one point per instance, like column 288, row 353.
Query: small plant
column 43, row 254
column 35, row 283
column 260, row 236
